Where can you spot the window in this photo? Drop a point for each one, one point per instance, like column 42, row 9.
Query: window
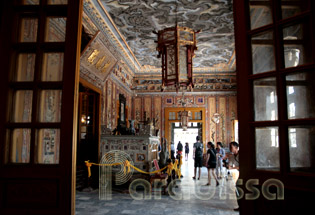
column 292, row 137
column 292, row 110
column 272, row 97
column 291, row 90
column 172, row 116
column 274, row 137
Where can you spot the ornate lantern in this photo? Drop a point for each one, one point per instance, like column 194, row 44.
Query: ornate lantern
column 176, row 46
column 184, row 118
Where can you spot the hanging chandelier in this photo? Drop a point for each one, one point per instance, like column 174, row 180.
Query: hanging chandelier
column 176, row 47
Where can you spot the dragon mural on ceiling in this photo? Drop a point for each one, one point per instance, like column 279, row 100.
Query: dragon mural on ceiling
column 137, row 19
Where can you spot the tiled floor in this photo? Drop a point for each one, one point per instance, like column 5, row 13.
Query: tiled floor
column 195, row 199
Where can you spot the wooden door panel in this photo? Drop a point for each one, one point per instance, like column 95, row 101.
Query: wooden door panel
column 31, row 193
column 38, row 132
column 272, row 109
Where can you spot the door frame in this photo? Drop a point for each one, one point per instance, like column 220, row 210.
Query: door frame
column 167, row 122
column 87, row 84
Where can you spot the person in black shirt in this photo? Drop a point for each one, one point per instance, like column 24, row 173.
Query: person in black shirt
column 179, row 148
column 197, row 156
column 186, row 151
column 211, row 162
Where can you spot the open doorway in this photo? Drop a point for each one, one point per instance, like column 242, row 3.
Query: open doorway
column 88, row 137
column 188, row 136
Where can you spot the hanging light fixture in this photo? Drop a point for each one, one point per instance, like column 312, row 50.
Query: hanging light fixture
column 176, row 46
column 184, row 115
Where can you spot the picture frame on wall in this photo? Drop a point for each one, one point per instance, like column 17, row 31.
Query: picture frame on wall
column 169, row 100
column 200, row 100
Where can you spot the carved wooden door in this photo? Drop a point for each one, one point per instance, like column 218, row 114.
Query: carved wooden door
column 275, row 77
column 40, row 47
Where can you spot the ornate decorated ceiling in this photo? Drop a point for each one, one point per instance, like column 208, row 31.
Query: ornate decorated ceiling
column 136, row 19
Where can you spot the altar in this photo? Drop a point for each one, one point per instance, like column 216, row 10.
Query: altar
column 142, row 149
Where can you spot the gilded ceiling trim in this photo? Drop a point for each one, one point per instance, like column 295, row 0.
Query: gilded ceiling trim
column 109, row 31
column 117, row 30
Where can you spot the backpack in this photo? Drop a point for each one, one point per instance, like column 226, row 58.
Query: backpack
column 180, row 147
column 199, row 151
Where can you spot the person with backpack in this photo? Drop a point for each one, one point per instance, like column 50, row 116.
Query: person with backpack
column 197, row 156
column 179, row 148
column 211, row 162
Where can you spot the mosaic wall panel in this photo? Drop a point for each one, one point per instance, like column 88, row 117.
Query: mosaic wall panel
column 137, row 109
column 114, row 107
column 129, row 107
column 103, row 105
column 233, row 115
column 157, row 111
column 111, row 93
column 212, row 123
column 223, row 113
column 109, row 103
column 224, row 106
column 148, row 106
column 203, row 82
column 187, row 100
column 142, row 150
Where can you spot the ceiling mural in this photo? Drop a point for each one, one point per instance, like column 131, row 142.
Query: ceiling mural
column 136, row 19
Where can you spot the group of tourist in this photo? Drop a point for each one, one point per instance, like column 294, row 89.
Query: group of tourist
column 213, row 159
column 179, row 150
